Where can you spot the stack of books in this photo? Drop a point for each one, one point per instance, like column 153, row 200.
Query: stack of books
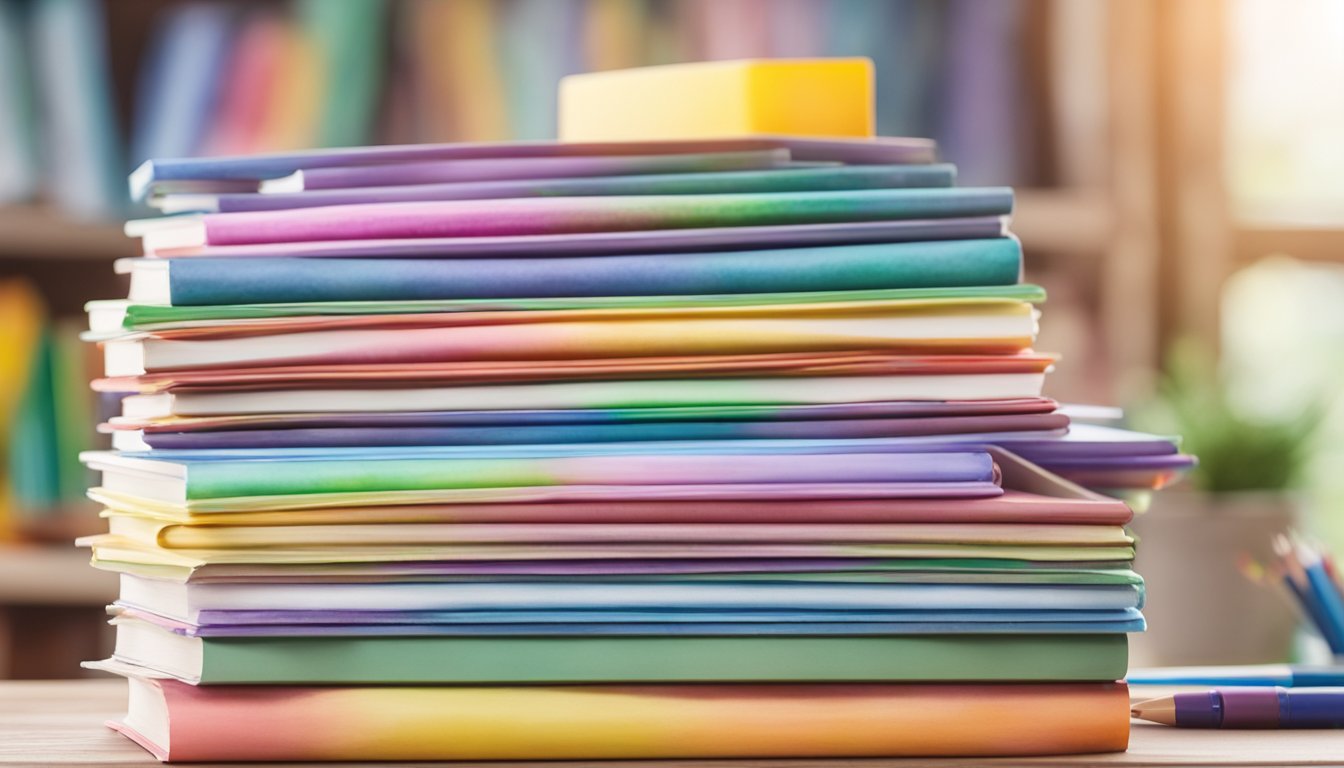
column 685, row 448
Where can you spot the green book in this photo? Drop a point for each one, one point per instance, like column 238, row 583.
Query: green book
column 603, row 659
column 111, row 317
column 348, row 38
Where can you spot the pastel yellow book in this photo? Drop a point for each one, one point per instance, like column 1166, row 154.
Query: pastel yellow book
column 720, row 99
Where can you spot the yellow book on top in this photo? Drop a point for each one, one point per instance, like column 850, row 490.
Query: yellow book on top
column 719, row 99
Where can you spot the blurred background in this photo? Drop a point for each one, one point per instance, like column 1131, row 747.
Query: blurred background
column 1178, row 169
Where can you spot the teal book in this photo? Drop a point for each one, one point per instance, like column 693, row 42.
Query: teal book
column 18, row 129
column 34, row 451
column 202, row 281
column 349, row 39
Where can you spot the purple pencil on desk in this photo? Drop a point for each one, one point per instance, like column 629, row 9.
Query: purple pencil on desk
column 1248, row 708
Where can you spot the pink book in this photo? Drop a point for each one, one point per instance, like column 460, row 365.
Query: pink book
column 564, row 215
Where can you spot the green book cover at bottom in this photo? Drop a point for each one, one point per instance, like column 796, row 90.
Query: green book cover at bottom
column 436, row 660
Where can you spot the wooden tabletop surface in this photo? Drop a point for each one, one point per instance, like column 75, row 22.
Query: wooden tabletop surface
column 60, row 723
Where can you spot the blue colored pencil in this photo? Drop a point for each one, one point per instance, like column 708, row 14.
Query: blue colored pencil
column 1323, row 586
column 1298, row 581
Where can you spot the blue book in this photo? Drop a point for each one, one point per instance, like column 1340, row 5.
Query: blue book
column 180, row 80
column 950, row 263
column 82, row 153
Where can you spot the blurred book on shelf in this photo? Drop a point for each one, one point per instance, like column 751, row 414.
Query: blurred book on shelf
column 46, row 406
column 209, row 78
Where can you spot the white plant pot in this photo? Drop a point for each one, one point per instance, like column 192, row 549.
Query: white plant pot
column 1201, row 609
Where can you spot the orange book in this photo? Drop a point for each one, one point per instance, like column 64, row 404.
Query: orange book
column 179, row 722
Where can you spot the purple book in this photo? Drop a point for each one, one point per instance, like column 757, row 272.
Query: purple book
column 570, row 215
column 623, row 243
column 618, row 432
column 158, row 174
column 823, row 179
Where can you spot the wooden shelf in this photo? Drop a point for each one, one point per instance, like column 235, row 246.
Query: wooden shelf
column 38, row 232
column 1065, row 221
column 46, row 574
column 1053, row 220
column 1312, row 243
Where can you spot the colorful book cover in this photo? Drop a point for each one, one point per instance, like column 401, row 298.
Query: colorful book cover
column 564, row 215
column 109, row 318
column 914, row 410
column 207, row 478
column 184, row 723
column 983, row 428
column 408, row 186
column 613, row 243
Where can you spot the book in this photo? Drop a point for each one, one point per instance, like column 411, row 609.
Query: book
column 180, row 722
column 111, row 317
column 783, row 391
column 1012, row 507
column 765, row 492
column 246, row 84
column 810, row 567
column 18, row 125
column 564, row 215
column 120, row 553
column 805, row 179
column 613, row 243
column 984, row 428
column 158, row 479
column 784, row 365
column 1037, row 498
column 225, row 534
column 209, row 281
column 1003, row 329
column 626, row 623
column 912, row 410
column 74, row 94
column 190, row 602
column 211, row 661
column 181, row 81
column 348, row 38
column 161, row 173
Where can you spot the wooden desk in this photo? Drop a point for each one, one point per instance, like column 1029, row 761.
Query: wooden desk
column 61, row 723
